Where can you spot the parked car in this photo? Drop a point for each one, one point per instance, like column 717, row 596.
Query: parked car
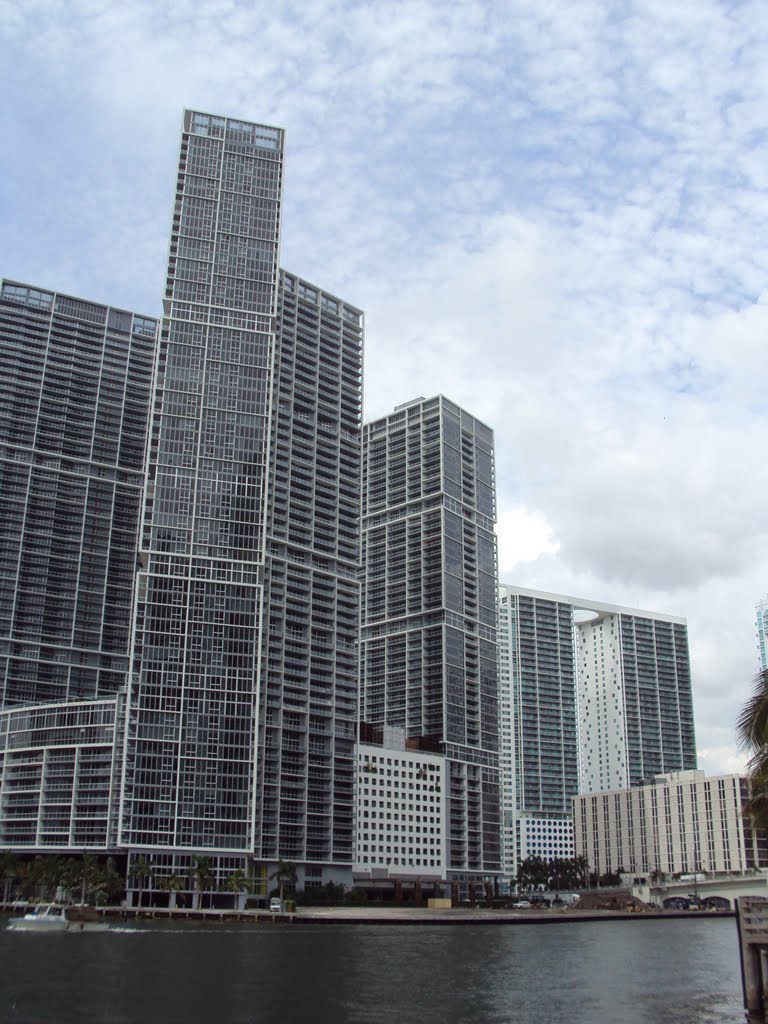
column 521, row 905
column 275, row 906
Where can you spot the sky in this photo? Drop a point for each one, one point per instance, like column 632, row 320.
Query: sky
column 553, row 212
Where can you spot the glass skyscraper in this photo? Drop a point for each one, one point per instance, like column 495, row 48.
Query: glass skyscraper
column 242, row 703
column 761, row 621
column 593, row 697
column 74, row 412
column 635, row 697
column 428, row 640
column 76, row 388
column 539, row 744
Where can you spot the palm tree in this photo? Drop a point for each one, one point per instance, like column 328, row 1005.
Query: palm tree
column 172, row 884
column 44, row 875
column 531, row 874
column 90, row 878
column 581, row 867
column 142, row 871
column 113, row 882
column 752, row 733
column 284, row 874
column 236, row 883
column 9, row 872
column 204, row 878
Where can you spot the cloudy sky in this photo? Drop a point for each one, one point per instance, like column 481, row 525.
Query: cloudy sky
column 554, row 212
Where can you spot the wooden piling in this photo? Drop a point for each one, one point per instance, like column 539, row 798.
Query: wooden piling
column 752, row 921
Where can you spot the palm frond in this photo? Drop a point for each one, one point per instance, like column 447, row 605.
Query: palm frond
column 752, row 720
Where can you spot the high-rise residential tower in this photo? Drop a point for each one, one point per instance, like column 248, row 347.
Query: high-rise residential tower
column 428, row 640
column 240, row 745
column 539, row 744
column 635, row 699
column 593, row 697
column 761, row 622
column 76, row 388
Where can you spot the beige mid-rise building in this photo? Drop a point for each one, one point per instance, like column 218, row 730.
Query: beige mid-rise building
column 678, row 822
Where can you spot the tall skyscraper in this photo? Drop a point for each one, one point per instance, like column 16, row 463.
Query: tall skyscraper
column 761, row 622
column 76, row 388
column 593, row 697
column 428, row 640
column 635, row 699
column 306, row 743
column 539, row 745
column 240, row 743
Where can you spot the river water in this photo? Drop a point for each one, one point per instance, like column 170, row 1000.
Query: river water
column 678, row 971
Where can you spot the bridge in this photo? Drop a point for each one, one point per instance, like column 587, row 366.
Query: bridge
column 729, row 887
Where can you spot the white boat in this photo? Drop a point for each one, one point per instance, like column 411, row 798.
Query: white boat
column 51, row 917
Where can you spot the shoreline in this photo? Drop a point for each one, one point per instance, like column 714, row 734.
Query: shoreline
column 383, row 915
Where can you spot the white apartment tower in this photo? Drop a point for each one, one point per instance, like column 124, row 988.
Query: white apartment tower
column 593, row 697
column 635, row 704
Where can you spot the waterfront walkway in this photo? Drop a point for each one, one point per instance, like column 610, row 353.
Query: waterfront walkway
column 402, row 915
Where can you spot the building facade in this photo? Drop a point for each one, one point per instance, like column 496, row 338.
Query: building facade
column 550, row 837
column 76, row 389
column 60, row 775
column 680, row 822
column 539, row 747
column 401, row 814
column 593, row 697
column 635, row 705
column 761, row 623
column 241, row 713
column 428, row 636
column 77, row 384
column 306, row 741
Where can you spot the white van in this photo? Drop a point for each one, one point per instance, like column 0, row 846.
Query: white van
column 275, row 906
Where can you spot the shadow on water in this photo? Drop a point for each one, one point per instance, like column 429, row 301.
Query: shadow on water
column 639, row 972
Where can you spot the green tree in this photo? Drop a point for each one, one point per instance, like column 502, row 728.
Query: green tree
column 610, row 879
column 356, row 897
column 236, row 882
column 10, row 870
column 581, row 868
column 85, row 879
column 43, row 876
column 172, row 884
column 113, row 883
column 532, row 873
column 752, row 733
column 142, row 872
column 203, row 876
column 565, row 873
column 285, row 875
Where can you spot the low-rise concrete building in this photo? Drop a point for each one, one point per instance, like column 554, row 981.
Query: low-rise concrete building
column 548, row 838
column 401, row 813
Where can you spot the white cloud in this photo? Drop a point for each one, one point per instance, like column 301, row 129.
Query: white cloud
column 524, row 536
column 555, row 213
